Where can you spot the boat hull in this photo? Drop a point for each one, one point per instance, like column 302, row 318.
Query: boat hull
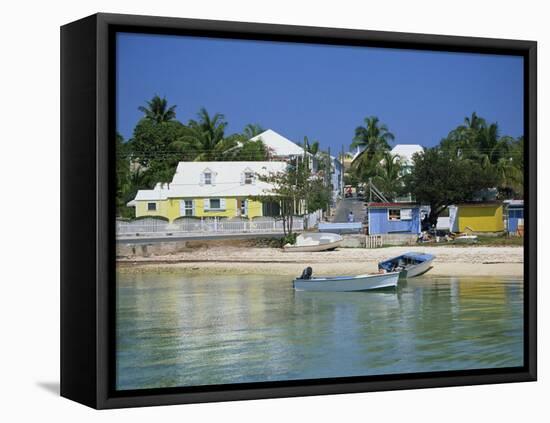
column 416, row 269
column 466, row 239
column 311, row 248
column 348, row 284
column 409, row 265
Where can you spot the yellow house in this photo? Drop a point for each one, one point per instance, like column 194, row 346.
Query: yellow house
column 480, row 217
column 210, row 189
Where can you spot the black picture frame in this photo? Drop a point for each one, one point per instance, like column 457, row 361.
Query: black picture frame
column 87, row 193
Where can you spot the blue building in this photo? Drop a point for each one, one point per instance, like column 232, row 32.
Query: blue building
column 393, row 218
column 336, row 178
column 514, row 212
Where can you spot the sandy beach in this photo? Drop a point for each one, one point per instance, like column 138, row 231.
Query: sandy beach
column 450, row 261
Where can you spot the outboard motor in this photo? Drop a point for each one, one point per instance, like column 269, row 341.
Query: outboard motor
column 306, row 274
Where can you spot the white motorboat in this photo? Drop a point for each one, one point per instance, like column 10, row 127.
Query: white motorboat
column 314, row 241
column 364, row 282
column 409, row 264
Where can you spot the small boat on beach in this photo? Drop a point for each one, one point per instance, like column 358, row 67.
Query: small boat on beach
column 465, row 239
column 314, row 241
column 364, row 282
column 408, row 265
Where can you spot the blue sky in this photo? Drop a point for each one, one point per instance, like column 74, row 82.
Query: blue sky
column 320, row 91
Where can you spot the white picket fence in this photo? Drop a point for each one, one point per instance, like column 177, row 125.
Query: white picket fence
column 374, row 241
column 155, row 226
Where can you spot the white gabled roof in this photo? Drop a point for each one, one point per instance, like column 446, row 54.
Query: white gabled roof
column 279, row 145
column 227, row 181
column 406, row 151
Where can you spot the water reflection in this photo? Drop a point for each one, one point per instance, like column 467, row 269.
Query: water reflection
column 175, row 330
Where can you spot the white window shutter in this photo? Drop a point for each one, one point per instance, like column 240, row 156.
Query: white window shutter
column 213, row 178
column 242, row 177
column 193, row 207
column 207, row 204
column 182, row 207
column 222, row 203
column 246, row 207
column 201, row 182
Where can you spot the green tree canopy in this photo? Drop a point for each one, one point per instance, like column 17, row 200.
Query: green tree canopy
column 388, row 175
column 479, row 141
column 157, row 110
column 439, row 179
column 373, row 138
column 151, row 149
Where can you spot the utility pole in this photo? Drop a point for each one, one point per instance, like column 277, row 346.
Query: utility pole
column 342, row 171
column 329, row 180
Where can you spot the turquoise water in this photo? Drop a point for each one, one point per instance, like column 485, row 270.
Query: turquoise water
column 181, row 330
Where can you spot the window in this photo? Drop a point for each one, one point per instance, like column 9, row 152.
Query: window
column 399, row 214
column 248, row 178
column 244, row 207
column 151, row 206
column 188, row 208
column 215, row 204
column 271, row 209
column 406, row 214
column 394, row 214
column 207, row 178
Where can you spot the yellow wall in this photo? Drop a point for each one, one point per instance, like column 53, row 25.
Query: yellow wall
column 480, row 218
column 171, row 208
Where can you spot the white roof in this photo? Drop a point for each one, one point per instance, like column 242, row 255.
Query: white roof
column 406, row 151
column 227, row 181
column 279, row 145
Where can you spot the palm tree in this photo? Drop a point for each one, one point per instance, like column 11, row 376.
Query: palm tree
column 474, row 122
column 388, row 175
column 373, row 138
column 312, row 148
column 204, row 139
column 157, row 110
column 251, row 130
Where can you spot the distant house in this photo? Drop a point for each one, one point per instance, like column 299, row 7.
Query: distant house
column 211, row 189
column 280, row 148
column 514, row 215
column 480, row 217
column 405, row 153
column 337, row 178
column 393, row 218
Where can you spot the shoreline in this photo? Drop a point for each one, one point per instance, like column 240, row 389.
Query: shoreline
column 450, row 261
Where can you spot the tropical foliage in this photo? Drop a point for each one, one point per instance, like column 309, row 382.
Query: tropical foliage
column 372, row 140
column 470, row 160
column 387, row 175
column 480, row 142
column 476, row 144
column 440, row 179
column 157, row 110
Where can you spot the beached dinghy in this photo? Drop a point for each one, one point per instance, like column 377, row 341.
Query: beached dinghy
column 466, row 239
column 314, row 241
column 365, row 282
column 409, row 264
